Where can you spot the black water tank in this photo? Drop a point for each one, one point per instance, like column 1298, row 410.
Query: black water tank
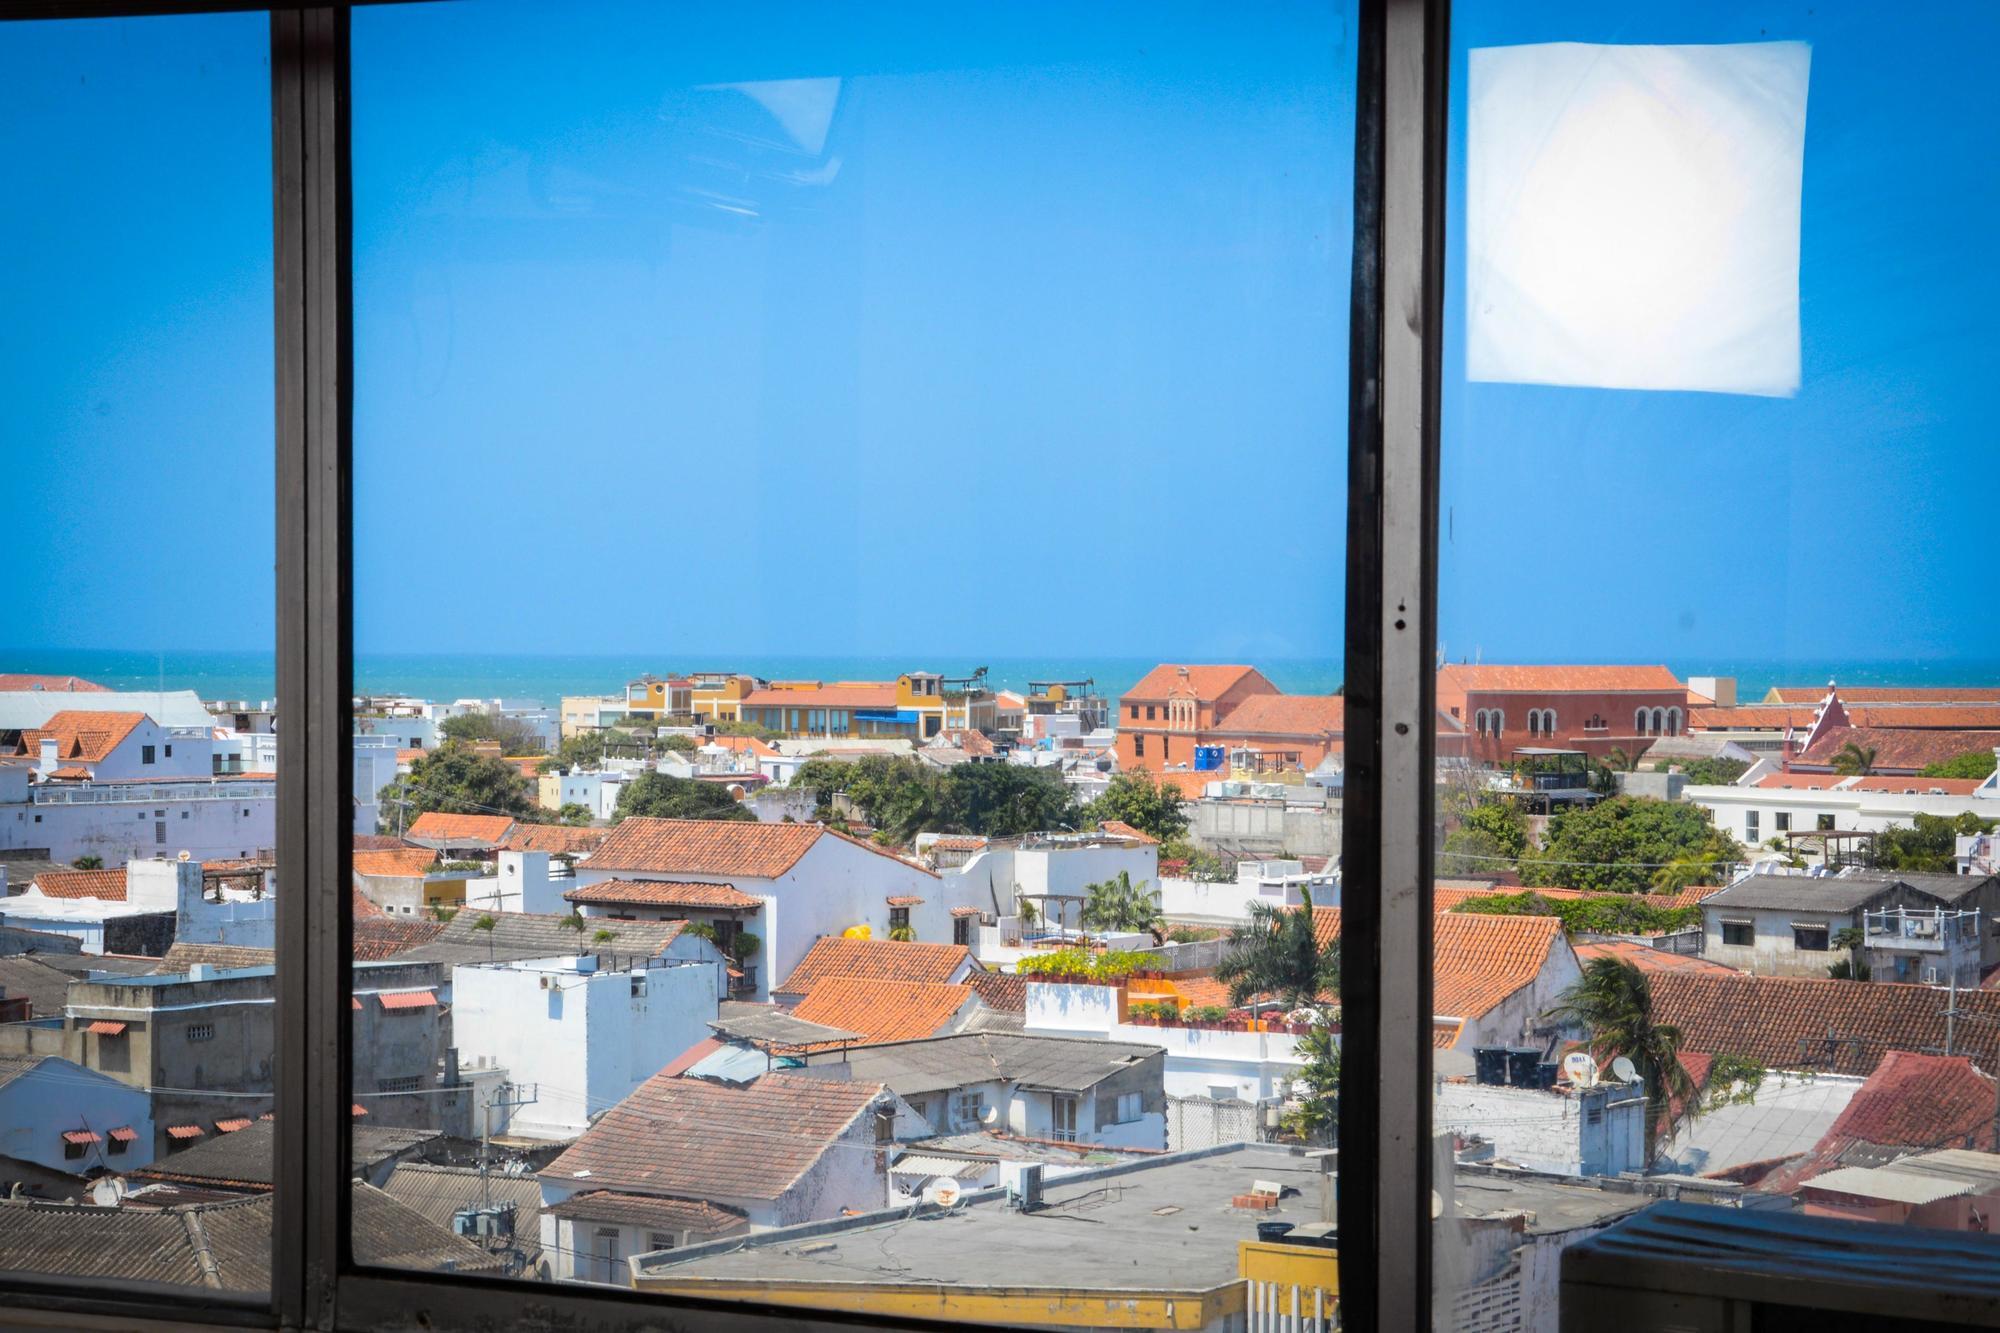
column 1521, row 1062
column 1489, row 1065
column 1272, row 1230
column 1545, row 1075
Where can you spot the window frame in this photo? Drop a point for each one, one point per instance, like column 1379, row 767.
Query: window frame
column 1390, row 640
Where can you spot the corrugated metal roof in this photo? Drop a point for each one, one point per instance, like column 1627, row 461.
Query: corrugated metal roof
column 918, row 1164
column 1885, row 1182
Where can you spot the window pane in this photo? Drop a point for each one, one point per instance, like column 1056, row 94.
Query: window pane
column 814, row 470
column 136, row 755
column 1713, row 340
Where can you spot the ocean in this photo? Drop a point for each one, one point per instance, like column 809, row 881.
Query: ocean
column 445, row 676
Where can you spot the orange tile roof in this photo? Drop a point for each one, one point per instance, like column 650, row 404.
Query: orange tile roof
column 660, row 893
column 1459, row 679
column 365, row 906
column 1002, row 992
column 1189, row 785
column 1897, row 748
column 1645, row 958
column 1118, row 828
column 882, row 1010
column 1480, row 960
column 1310, row 715
column 79, row 734
column 1209, row 682
column 18, row 680
column 1776, row 717
column 108, row 885
column 408, row 756
column 444, row 827
column 1887, row 694
column 887, row 960
column 1920, row 785
column 847, row 694
column 1912, row 1103
column 736, row 848
column 570, row 839
column 1751, row 717
column 404, row 863
column 745, row 745
column 380, row 937
column 378, row 842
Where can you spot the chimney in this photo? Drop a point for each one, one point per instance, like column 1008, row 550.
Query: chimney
column 48, row 763
column 158, row 885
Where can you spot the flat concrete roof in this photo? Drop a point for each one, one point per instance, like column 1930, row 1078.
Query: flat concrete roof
column 1117, row 1228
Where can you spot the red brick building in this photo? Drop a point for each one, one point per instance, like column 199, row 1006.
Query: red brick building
column 1174, row 708
column 1595, row 709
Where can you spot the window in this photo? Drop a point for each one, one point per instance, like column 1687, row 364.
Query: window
column 1809, row 938
column 116, row 1146
column 659, row 1240
column 168, row 751
column 1139, row 744
column 1149, row 712
column 899, row 918
column 961, row 930
column 1824, row 823
column 1750, row 833
column 402, row 1083
column 1127, row 1108
column 1782, row 821
column 968, row 1109
column 199, row 1032
column 145, row 754
column 1739, row 933
column 1062, row 1118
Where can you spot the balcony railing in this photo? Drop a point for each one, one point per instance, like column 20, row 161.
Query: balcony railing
column 148, row 793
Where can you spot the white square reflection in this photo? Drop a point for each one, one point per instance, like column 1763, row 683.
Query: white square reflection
column 1632, row 215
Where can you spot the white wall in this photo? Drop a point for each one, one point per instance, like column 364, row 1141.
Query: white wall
column 1865, row 811
column 1773, row 954
column 1252, row 1066
column 582, row 1036
column 1596, row 1132
column 59, row 1095
column 209, row 819
column 523, row 885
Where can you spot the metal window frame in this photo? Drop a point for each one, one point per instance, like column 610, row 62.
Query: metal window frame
column 1394, row 360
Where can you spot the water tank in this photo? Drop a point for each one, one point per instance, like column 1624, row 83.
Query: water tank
column 1545, row 1075
column 1521, row 1063
column 1489, row 1065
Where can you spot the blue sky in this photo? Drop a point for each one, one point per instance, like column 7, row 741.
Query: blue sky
column 858, row 329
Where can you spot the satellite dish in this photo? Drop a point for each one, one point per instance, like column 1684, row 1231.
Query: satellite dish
column 943, row 1191
column 1582, row 1070
column 109, row 1192
column 1437, row 1205
column 990, row 1115
column 183, row 855
column 1623, row 1071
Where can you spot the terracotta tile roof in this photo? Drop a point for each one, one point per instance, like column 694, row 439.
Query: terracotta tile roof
column 1447, row 899
column 1840, row 1027
column 438, row 826
column 904, row 900
column 745, row 745
column 1002, row 992
column 1189, row 785
column 661, row 893
column 404, row 863
column 81, row 734
column 846, row 694
column 1202, row 990
column 887, row 960
column 18, row 680
column 691, row 1138
column 408, row 756
column 1776, row 717
column 1479, row 960
column 379, row 842
column 108, row 885
column 882, row 1010
column 965, row 911
column 1912, row 1103
column 1647, row 959
column 1918, row 786
column 1118, row 828
column 1898, row 748
column 69, row 773
column 1209, row 682
column 380, row 937
column 1315, row 716
column 1887, row 694
column 959, row 842
column 736, row 848
column 552, row 838
column 1459, row 679
column 1751, row 717
column 659, row 1214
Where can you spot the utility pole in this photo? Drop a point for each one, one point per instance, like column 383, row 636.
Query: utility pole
column 506, row 1097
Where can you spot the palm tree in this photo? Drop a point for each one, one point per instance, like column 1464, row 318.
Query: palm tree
column 486, row 923
column 1617, row 760
column 1278, row 952
column 1613, row 1002
column 1854, row 761
column 1679, row 873
column 1850, row 968
column 1119, row 904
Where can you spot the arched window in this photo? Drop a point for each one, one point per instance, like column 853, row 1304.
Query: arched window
column 1639, row 721
column 1659, row 721
column 1499, row 721
column 1548, row 722
column 1673, row 722
column 1479, row 722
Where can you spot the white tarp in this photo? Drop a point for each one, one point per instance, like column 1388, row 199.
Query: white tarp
column 1632, row 215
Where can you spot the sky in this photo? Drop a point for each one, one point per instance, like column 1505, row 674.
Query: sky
column 866, row 329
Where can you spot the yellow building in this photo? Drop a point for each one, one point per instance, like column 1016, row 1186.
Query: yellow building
column 718, row 696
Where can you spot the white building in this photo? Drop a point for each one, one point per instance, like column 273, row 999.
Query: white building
column 1766, row 803
column 1201, row 1062
column 1055, row 870
column 60, row 1115
column 113, row 910
column 523, row 884
column 1589, row 1131
column 1275, row 883
column 810, row 880
column 210, row 818
column 583, row 1031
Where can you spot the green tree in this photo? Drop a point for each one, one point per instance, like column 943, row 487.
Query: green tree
column 1004, row 800
column 663, row 797
column 1855, row 761
column 575, row 814
column 1119, row 904
column 1613, row 1002
column 1712, row 772
column 731, row 727
column 1143, row 803
column 584, row 750
column 679, row 744
column 1850, row 968
column 1617, row 760
column 1599, row 914
column 1971, row 764
column 1316, row 1118
column 1470, row 853
column 574, row 921
column 1616, row 845
column 1683, row 871
column 1278, row 952
column 1929, row 844
column 454, row 780
column 88, row 861
column 513, row 735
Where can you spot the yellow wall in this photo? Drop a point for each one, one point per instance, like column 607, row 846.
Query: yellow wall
column 1045, row 1307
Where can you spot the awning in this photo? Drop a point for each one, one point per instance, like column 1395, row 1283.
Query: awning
column 965, row 911
column 905, row 900
column 104, row 1027
column 918, row 1164
column 124, row 1134
column 359, row 1109
column 183, row 1131
column 410, row 999
column 79, row 1136
column 232, row 1125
